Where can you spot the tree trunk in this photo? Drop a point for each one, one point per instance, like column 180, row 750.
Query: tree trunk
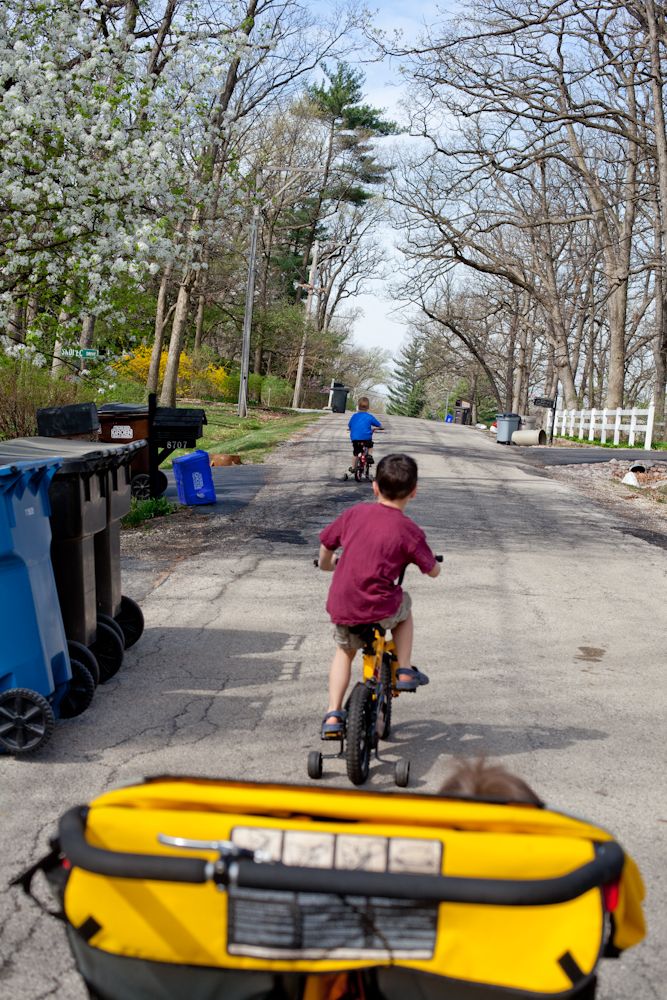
column 87, row 330
column 617, row 309
column 169, row 386
column 156, row 354
column 63, row 317
column 657, row 89
column 217, row 158
column 199, row 318
column 31, row 312
column 17, row 321
column 520, row 374
column 259, row 359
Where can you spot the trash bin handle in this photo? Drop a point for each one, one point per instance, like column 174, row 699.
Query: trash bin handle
column 604, row 869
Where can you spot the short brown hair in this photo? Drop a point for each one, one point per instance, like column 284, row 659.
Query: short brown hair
column 363, row 403
column 480, row 779
column 396, row 476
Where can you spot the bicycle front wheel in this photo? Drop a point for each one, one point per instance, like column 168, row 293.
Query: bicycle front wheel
column 359, row 734
column 383, row 717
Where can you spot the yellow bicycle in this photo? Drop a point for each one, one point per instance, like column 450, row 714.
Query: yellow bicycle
column 368, row 709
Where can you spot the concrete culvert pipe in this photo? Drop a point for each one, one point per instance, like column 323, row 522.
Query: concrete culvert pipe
column 529, row 437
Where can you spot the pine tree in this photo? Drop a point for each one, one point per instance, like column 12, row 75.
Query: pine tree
column 407, row 393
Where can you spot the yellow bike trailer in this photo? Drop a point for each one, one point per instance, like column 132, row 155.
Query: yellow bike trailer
column 198, row 889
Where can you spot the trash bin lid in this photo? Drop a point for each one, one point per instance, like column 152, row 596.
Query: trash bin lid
column 179, row 416
column 129, row 409
column 76, row 418
column 506, row 416
column 9, row 470
column 74, row 456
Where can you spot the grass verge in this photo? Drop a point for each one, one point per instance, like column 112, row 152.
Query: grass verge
column 251, row 437
column 656, row 445
column 146, row 510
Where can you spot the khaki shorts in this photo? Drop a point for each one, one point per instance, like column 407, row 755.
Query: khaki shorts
column 351, row 640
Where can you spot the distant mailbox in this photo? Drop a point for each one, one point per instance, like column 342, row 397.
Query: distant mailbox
column 544, row 401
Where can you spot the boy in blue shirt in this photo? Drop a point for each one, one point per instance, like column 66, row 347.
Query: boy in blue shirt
column 361, row 426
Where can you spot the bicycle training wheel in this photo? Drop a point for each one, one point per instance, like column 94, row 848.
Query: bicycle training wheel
column 359, row 734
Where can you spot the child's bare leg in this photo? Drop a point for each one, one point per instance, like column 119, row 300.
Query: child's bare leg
column 403, row 634
column 339, row 678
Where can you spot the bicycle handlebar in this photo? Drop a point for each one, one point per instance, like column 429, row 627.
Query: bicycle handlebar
column 605, row 868
column 316, row 564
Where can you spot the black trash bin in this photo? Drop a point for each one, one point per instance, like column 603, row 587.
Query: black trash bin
column 111, row 601
column 462, row 412
column 88, row 495
column 77, row 421
column 339, row 394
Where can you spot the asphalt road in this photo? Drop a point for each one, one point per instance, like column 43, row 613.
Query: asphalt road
column 544, row 638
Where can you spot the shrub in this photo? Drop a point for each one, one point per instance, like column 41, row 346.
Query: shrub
column 255, row 388
column 25, row 388
column 276, row 391
column 146, row 510
column 207, row 381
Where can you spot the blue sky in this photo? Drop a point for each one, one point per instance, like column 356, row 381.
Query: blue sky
column 381, row 325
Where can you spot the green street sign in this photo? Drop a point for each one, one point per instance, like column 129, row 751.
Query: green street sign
column 85, row 353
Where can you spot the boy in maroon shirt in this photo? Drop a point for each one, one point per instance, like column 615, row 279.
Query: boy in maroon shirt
column 378, row 542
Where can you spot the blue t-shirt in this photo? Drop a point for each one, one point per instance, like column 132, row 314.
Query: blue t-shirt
column 361, row 424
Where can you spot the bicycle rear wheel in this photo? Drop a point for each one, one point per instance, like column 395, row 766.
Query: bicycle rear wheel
column 359, row 734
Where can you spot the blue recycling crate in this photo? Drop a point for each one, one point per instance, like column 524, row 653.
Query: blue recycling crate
column 35, row 668
column 194, row 481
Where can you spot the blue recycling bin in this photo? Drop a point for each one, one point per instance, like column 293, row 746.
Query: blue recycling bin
column 194, row 481
column 35, row 671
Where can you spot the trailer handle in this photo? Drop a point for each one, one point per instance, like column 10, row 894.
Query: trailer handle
column 604, row 869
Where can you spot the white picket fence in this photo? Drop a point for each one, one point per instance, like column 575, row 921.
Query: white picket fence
column 597, row 425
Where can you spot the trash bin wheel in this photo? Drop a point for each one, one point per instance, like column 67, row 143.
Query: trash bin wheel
column 162, row 483
column 79, row 692
column 140, row 486
column 26, row 720
column 402, row 773
column 111, row 623
column 77, row 651
column 131, row 620
column 108, row 651
column 314, row 764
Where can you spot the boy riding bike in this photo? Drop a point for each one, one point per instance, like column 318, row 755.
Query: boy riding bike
column 378, row 542
column 361, row 425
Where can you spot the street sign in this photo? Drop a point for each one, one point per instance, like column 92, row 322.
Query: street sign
column 85, row 353
column 543, row 401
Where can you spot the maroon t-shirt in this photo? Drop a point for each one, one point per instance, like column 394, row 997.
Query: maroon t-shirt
column 378, row 542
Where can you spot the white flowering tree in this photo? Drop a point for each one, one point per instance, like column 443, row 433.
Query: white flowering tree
column 81, row 163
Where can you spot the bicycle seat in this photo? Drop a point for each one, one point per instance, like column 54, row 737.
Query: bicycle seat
column 367, row 632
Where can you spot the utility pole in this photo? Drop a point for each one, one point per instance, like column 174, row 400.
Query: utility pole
column 312, row 277
column 247, row 315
